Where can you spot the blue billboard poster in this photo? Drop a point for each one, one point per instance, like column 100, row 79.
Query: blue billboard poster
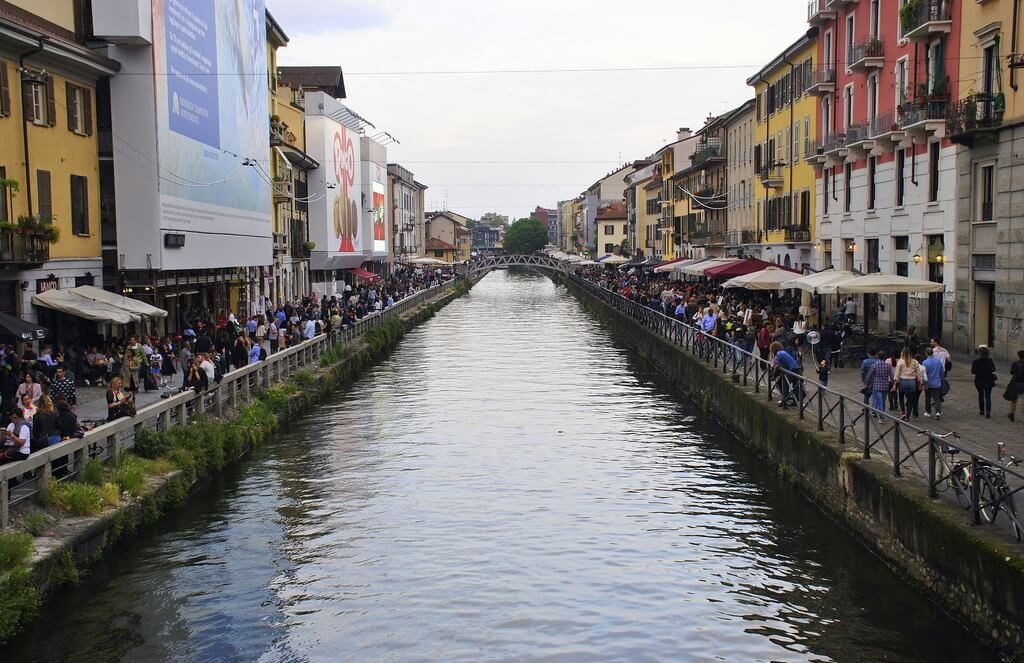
column 190, row 31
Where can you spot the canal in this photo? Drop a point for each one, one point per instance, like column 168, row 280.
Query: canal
column 510, row 484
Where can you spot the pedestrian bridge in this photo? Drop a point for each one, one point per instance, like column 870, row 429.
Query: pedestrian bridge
column 538, row 260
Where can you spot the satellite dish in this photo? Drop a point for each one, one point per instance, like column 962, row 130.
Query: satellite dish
column 813, row 337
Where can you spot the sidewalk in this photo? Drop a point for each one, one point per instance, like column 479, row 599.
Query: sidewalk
column 92, row 401
column 960, row 408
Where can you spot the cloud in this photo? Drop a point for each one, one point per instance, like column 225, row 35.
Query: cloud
column 318, row 16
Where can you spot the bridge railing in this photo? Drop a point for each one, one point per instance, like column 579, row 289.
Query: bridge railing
column 517, row 260
column 907, row 448
column 23, row 480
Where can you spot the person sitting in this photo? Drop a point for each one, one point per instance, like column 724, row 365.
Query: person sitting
column 17, row 438
column 29, row 387
column 195, row 377
column 67, row 421
column 44, row 425
column 120, row 402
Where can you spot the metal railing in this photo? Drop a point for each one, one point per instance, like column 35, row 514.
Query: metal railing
column 22, row 480
column 23, row 246
column 882, row 123
column 923, row 13
column 708, row 150
column 865, row 49
column 977, row 111
column 923, row 110
column 874, row 433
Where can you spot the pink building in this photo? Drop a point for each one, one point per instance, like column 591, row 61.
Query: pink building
column 886, row 172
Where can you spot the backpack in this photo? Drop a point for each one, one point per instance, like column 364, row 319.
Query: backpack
column 263, row 353
column 218, row 373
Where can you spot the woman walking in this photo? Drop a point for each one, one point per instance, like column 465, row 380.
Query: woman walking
column 1016, row 386
column 984, row 371
column 908, row 381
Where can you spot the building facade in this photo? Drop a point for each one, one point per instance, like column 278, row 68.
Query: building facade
column 886, row 198
column 985, row 122
column 447, row 237
column 612, row 230
column 405, row 200
column 51, row 215
column 785, row 116
column 739, row 127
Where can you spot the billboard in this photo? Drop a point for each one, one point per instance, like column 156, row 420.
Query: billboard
column 380, row 233
column 210, row 72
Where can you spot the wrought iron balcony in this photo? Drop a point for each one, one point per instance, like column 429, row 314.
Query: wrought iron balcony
column 818, row 13
column 709, row 150
column 796, row 234
column 974, row 115
column 772, row 176
column 866, row 54
column 710, row 199
column 284, row 189
column 920, row 20
column 832, row 142
column 23, row 247
column 822, row 80
column 750, row 236
column 926, row 115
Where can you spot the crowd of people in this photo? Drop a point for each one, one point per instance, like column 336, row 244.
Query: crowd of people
column 776, row 327
column 39, row 391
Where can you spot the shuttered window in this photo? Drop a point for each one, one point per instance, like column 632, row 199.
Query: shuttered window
column 5, row 214
column 45, row 195
column 79, row 205
column 79, row 107
column 51, row 103
column 5, row 90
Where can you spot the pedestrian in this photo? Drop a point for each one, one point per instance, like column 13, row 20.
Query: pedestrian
column 935, row 373
column 63, row 387
column 1016, row 386
column 942, row 354
column 784, row 359
column 984, row 371
column 908, row 381
column 17, row 438
column 880, row 380
column 823, row 372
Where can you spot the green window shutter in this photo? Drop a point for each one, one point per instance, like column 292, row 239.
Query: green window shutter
column 69, row 92
column 87, row 110
column 5, row 91
column 51, row 103
column 45, row 196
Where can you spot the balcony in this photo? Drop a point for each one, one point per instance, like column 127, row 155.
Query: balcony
column 750, row 236
column 818, row 13
column 23, row 247
column 866, row 55
column 830, row 145
column 822, row 80
column 284, row 189
column 925, row 117
column 837, row 4
column 885, row 132
column 796, row 234
column 710, row 199
column 974, row 117
column 772, row 177
column 280, row 243
column 277, row 132
column 920, row 20
column 708, row 151
column 858, row 142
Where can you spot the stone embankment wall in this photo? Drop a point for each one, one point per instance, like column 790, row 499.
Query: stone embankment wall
column 195, row 451
column 973, row 573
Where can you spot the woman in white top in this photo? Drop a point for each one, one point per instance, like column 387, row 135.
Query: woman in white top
column 908, row 381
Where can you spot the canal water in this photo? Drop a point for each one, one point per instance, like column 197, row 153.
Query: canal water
column 510, row 484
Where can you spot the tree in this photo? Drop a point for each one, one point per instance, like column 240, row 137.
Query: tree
column 526, row 236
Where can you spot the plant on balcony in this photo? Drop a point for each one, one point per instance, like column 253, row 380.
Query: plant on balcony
column 44, row 227
column 908, row 14
column 874, row 46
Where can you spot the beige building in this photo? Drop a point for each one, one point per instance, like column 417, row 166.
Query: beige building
column 612, row 230
column 405, row 205
column 740, row 176
column 447, row 237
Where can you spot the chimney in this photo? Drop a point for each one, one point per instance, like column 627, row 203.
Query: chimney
column 683, row 133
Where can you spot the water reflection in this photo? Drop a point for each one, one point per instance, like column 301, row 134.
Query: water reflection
column 511, row 484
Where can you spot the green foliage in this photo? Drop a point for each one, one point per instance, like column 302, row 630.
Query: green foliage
column 150, row 443
column 35, row 523
column 14, row 548
column 111, row 494
column 92, row 474
column 526, row 236
column 184, row 461
column 65, row 571
column 278, row 396
column 78, row 499
column 20, row 601
column 130, row 476
column 305, row 377
column 334, row 354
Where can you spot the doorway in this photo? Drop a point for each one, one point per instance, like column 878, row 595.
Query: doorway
column 984, row 314
column 902, row 300
column 935, row 301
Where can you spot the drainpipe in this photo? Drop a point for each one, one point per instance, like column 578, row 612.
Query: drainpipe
column 1013, row 43
column 792, row 116
column 913, row 148
column 24, row 124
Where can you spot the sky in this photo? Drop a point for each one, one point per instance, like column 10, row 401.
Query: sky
column 507, row 142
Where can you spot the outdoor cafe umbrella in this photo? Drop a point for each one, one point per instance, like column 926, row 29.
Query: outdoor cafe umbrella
column 742, row 267
column 614, row 260
column 820, row 283
column 424, row 260
column 697, row 268
column 769, row 278
column 20, row 329
column 669, row 265
column 887, row 284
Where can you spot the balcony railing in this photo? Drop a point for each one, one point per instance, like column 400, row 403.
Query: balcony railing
column 918, row 112
column 978, row 112
column 23, row 246
column 284, row 189
column 832, row 142
column 771, row 176
column 711, row 199
column 868, row 53
column 818, row 12
column 921, row 19
column 796, row 234
column 855, row 133
column 882, row 124
column 277, row 132
column 822, row 80
column 707, row 151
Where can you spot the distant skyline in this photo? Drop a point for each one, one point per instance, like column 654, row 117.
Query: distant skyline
column 507, row 142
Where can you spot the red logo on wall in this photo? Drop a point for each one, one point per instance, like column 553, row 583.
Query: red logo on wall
column 346, row 213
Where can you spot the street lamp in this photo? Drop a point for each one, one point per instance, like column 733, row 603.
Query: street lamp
column 917, row 258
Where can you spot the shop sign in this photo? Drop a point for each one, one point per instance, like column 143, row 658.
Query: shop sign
column 45, row 285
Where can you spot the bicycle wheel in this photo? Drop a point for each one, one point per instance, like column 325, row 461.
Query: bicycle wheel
column 1009, row 506
column 961, row 486
column 989, row 498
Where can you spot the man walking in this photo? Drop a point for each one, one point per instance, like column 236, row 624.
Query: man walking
column 934, row 374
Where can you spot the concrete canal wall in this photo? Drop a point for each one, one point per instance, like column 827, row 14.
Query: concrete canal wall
column 971, row 572
column 193, row 447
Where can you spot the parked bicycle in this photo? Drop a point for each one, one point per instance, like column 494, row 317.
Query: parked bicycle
column 996, row 495
column 955, row 474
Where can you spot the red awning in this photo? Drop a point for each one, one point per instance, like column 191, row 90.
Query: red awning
column 363, row 274
column 741, row 268
column 667, row 262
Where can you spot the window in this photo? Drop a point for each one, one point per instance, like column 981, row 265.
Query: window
column 79, row 205
column 79, row 105
column 5, row 212
column 847, row 186
column 849, row 39
column 901, row 82
column 826, row 116
column 933, row 171
column 874, row 19
column 872, row 90
column 986, row 189
column 807, row 134
column 43, row 192
column 609, row 229
column 796, row 142
column 872, row 165
column 5, row 91
column 847, row 106
column 900, row 159
column 989, row 69
column 824, row 190
column 901, row 243
column 38, row 104
column 805, row 208
column 826, row 254
column 788, row 145
column 609, row 247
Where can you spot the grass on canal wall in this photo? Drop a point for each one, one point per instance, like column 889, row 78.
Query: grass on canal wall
column 113, row 503
column 973, row 573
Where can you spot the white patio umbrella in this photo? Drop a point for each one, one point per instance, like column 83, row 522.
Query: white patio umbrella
column 614, row 260
column 426, row 260
column 819, row 283
column 769, row 278
column 572, row 257
column 887, row 284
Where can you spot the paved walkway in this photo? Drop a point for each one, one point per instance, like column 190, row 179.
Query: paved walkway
column 92, row 401
column 960, row 408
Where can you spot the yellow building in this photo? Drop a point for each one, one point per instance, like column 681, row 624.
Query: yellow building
column 447, row 237
column 49, row 162
column 568, row 234
column 785, row 116
column 984, row 122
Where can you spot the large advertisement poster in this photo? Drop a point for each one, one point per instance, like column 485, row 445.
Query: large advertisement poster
column 380, row 236
column 335, row 187
column 344, row 149
column 210, row 64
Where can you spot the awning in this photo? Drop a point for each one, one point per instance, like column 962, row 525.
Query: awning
column 21, row 329
column 363, row 274
column 769, row 278
column 426, row 260
column 697, row 268
column 820, row 283
column 887, row 284
column 68, row 302
column 668, row 265
column 120, row 301
column 740, row 267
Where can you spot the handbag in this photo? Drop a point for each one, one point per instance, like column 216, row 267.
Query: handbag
column 1011, row 392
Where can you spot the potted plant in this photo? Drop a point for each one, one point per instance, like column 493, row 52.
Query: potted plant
column 308, row 246
column 51, row 232
column 908, row 14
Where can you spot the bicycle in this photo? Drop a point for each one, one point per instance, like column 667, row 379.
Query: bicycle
column 957, row 472
column 995, row 494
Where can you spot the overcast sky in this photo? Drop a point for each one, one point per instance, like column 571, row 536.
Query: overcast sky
column 595, row 119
